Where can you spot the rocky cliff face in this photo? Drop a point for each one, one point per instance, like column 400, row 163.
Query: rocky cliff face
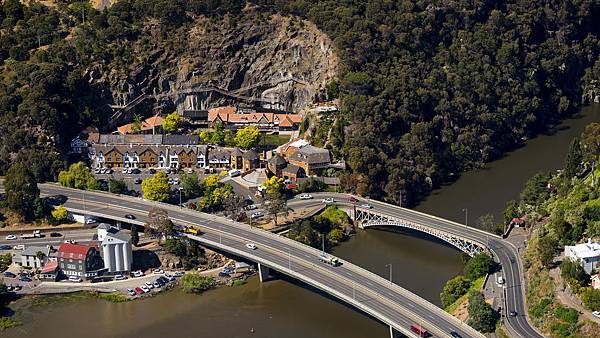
column 251, row 59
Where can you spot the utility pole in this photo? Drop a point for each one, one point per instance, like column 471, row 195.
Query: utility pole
column 466, row 216
column 180, row 190
column 323, row 240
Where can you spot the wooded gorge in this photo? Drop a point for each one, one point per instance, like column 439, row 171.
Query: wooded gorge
column 428, row 88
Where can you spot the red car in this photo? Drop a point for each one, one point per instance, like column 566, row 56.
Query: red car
column 352, row 199
column 139, row 291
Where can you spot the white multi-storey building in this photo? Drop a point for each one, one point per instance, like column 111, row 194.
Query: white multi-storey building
column 587, row 254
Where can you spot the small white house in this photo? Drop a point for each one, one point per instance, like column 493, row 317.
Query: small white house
column 587, row 254
column 31, row 257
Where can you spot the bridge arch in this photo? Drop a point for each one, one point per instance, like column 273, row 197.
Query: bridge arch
column 368, row 218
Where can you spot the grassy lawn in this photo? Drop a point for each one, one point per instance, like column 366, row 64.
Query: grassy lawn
column 274, row 140
column 476, row 286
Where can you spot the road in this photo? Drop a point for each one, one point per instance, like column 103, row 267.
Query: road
column 369, row 292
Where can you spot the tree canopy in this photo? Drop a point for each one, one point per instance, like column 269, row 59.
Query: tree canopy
column 78, row 176
column 247, row 137
column 157, row 188
column 21, row 191
column 171, row 122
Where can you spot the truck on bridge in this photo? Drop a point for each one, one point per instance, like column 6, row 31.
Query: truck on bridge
column 188, row 229
column 34, row 234
column 329, row 260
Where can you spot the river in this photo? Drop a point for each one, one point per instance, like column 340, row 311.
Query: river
column 283, row 308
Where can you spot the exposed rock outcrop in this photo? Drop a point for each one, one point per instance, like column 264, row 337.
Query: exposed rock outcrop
column 251, row 59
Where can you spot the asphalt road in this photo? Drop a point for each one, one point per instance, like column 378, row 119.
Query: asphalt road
column 367, row 291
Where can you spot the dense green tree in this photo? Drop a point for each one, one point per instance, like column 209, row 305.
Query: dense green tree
column 535, row 191
column 157, row 188
column 117, row 185
column 479, row 265
column 247, row 137
column 159, row 222
column 275, row 204
column 171, row 122
column 454, row 289
column 194, row 283
column 78, row 176
column 191, row 184
column 21, row 191
column 573, row 272
column 573, row 159
column 591, row 298
column 135, row 236
column 511, row 211
column 481, row 315
column 547, row 247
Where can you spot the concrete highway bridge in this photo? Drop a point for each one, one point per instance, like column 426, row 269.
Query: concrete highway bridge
column 362, row 289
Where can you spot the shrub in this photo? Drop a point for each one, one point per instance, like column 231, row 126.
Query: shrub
column 478, row 266
column 194, row 283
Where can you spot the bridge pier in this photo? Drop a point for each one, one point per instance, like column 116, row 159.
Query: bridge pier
column 263, row 273
column 393, row 333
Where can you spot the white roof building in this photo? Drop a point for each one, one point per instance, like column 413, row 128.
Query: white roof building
column 116, row 251
column 588, row 254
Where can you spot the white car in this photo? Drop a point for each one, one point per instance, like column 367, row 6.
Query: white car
column 251, row 207
column 158, row 271
column 257, row 214
column 120, row 277
column 149, row 285
column 138, row 273
column 156, row 285
column 145, row 288
column 596, row 314
column 251, row 246
column 19, row 247
column 11, row 237
column 366, row 206
column 90, row 221
column 305, row 197
column 328, row 200
column 74, row 279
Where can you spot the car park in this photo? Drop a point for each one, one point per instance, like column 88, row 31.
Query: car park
column 139, row 291
column 149, row 284
column 145, row 288
column 366, row 206
column 120, row 277
column 129, row 216
column 11, row 237
column 251, row 246
column 138, row 273
column 9, row 274
column 328, row 200
column 257, row 214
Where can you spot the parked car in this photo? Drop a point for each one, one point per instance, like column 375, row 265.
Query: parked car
column 5, row 247
column 139, row 291
column 596, row 314
column 55, row 234
column 108, row 171
column 131, row 292
column 149, row 285
column 137, row 181
column 158, row 271
column 18, row 287
column 305, row 196
column 366, row 206
column 328, row 200
column 19, row 247
column 178, row 273
column 251, row 207
column 257, row 214
column 138, row 273
column 152, row 171
column 156, row 285
column 129, row 216
column 11, row 237
column 120, row 277
column 190, row 170
column 70, row 241
column 145, row 288
column 90, row 221
column 251, row 246
column 9, row 274
column 74, row 279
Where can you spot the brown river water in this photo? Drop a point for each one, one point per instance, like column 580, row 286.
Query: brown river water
column 285, row 308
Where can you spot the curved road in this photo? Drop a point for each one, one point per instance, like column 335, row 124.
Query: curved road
column 367, row 291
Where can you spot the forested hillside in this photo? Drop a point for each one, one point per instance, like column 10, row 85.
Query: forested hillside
column 438, row 87
column 427, row 88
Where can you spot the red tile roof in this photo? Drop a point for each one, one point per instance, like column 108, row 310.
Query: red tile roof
column 50, row 267
column 73, row 251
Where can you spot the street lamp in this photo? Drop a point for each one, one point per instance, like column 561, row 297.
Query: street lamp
column 390, row 266
column 180, row 190
column 466, row 216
